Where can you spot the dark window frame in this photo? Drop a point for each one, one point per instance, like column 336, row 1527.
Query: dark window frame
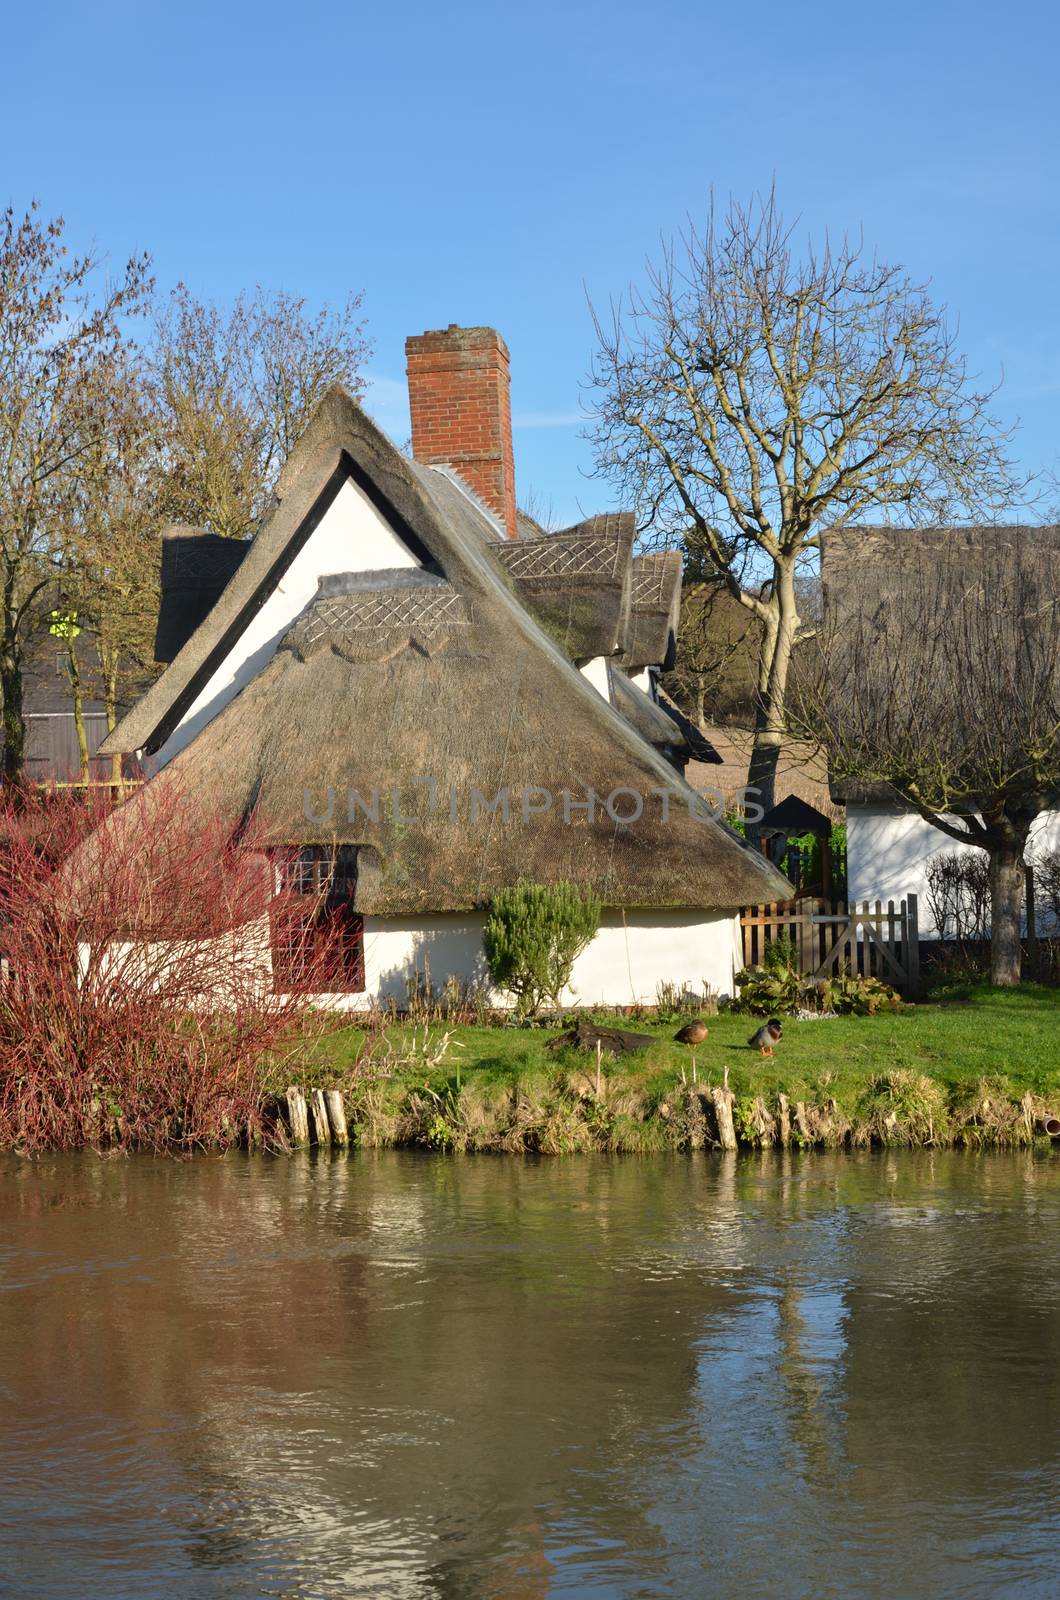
column 325, row 877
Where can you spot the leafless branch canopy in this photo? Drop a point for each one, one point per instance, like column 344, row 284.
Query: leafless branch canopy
column 235, row 390
column 751, row 395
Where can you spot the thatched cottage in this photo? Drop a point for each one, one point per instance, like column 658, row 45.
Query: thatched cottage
column 428, row 697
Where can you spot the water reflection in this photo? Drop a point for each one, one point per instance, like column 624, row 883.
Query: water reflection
column 409, row 1376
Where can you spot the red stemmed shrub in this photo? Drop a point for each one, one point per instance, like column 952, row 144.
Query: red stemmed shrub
column 136, row 993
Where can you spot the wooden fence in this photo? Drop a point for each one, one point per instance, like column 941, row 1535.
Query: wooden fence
column 878, row 941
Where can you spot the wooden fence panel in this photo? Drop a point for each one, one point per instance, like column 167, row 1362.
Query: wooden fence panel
column 831, row 937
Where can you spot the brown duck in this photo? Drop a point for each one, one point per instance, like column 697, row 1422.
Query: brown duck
column 692, row 1033
column 767, row 1037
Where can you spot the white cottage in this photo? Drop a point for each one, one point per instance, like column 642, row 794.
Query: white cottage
column 426, row 698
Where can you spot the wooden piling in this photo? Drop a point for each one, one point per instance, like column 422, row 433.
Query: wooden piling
column 340, row 1133
column 762, row 1125
column 319, row 1110
column 783, row 1120
column 297, row 1117
column 723, row 1099
column 695, row 1119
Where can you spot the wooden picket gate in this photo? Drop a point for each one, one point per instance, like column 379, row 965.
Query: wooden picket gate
column 878, row 941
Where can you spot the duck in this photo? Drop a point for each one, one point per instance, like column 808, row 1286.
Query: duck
column 767, row 1036
column 692, row 1033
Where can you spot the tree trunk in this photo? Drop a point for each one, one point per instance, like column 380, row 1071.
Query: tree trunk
column 1006, row 903
column 778, row 638
column 700, row 701
column 14, row 721
column 110, row 706
column 74, row 669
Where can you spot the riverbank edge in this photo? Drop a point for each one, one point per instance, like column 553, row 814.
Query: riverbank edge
column 698, row 1117
column 575, row 1112
column 982, row 1073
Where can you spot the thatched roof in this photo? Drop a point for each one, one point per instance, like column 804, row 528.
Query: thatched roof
column 660, row 721
column 582, row 584
column 886, row 582
column 650, row 719
column 391, row 682
column 655, row 607
column 577, row 584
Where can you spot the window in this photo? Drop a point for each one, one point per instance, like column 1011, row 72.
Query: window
column 319, row 949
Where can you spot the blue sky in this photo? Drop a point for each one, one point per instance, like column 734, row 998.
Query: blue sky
column 495, row 163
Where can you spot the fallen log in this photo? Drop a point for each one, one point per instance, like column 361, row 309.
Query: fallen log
column 588, row 1036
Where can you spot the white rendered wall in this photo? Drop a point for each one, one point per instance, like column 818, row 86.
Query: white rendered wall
column 631, row 955
column 351, row 537
column 235, row 964
column 888, row 851
column 596, row 672
column 626, row 961
column 634, row 952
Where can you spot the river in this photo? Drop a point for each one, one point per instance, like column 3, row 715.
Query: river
column 406, row 1375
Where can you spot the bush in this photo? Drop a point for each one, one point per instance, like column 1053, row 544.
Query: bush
column 958, row 895
column 849, row 994
column 533, row 935
column 769, row 991
column 781, row 955
column 779, row 990
column 136, row 996
column 776, row 984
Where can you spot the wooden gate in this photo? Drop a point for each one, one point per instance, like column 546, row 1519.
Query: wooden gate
column 878, row 941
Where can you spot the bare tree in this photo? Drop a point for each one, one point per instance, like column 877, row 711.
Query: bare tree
column 110, row 565
column 713, row 676
column 235, row 389
column 748, row 397
column 56, row 333
column 938, row 677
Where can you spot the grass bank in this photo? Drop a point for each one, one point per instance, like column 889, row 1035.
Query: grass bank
column 974, row 1066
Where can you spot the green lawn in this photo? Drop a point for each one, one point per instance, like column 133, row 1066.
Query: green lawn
column 497, row 1087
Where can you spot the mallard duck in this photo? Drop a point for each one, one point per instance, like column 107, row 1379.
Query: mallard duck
column 692, row 1033
column 767, row 1036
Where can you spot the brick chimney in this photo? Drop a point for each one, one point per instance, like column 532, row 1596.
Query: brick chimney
column 461, row 411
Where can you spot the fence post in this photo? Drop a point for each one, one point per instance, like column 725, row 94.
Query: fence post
column 1032, row 931
column 806, row 961
column 912, row 938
